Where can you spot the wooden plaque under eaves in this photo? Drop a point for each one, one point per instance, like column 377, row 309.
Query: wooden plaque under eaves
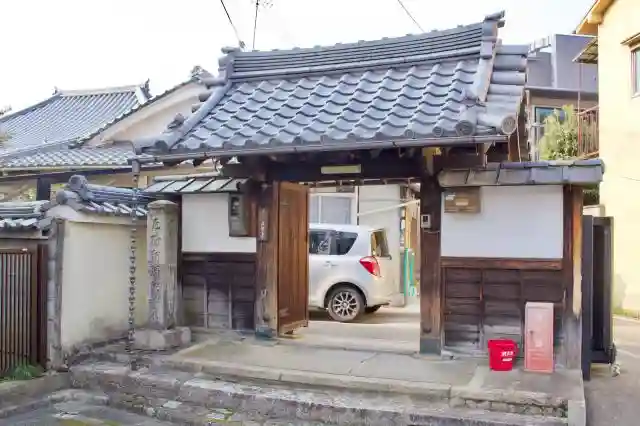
column 462, row 200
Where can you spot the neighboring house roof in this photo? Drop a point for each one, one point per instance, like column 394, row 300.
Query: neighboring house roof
column 23, row 216
column 459, row 83
column 589, row 23
column 569, row 172
column 66, row 117
column 74, row 155
column 98, row 157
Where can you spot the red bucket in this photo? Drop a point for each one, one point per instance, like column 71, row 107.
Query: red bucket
column 502, row 354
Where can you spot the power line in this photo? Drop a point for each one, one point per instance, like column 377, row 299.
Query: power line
column 255, row 25
column 409, row 14
column 235, row 30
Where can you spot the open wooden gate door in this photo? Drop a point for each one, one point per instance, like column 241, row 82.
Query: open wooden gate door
column 293, row 257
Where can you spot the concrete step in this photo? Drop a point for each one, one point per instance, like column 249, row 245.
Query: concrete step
column 186, row 397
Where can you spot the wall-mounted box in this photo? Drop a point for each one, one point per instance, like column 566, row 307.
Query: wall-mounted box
column 462, row 200
column 238, row 223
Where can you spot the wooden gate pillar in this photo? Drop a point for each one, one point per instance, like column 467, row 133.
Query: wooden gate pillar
column 430, row 280
column 266, row 308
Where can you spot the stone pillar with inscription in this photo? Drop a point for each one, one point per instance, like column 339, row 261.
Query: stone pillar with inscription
column 162, row 330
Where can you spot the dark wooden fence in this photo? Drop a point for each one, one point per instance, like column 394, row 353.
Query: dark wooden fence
column 23, row 308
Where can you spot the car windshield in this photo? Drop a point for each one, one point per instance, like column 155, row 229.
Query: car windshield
column 379, row 247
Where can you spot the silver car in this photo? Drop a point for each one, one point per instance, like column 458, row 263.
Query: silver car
column 347, row 270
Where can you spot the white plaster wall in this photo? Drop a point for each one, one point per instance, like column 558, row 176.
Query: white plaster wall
column 95, row 284
column 375, row 197
column 514, row 222
column 205, row 226
column 597, row 210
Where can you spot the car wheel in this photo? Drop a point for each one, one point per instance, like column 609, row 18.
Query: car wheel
column 345, row 304
column 372, row 309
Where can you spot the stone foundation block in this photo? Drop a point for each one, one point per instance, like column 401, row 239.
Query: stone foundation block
column 151, row 339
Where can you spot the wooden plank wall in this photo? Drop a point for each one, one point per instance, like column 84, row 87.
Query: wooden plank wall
column 219, row 290
column 485, row 299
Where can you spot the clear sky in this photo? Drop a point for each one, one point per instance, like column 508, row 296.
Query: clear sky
column 77, row 44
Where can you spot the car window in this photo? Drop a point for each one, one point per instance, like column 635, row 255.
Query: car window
column 333, row 243
column 319, row 241
column 379, row 246
column 344, row 242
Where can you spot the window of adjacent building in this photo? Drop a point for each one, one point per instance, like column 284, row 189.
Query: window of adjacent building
column 541, row 114
column 635, row 70
column 332, row 208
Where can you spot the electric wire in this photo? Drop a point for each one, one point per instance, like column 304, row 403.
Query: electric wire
column 401, row 3
column 235, row 30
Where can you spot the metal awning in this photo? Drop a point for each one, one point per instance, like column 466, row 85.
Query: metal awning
column 578, row 172
column 194, row 185
column 588, row 55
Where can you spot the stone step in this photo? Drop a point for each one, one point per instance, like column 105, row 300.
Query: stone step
column 519, row 402
column 160, row 390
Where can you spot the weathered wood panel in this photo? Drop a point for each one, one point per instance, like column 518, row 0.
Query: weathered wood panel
column 484, row 301
column 431, row 302
column 219, row 290
column 293, row 257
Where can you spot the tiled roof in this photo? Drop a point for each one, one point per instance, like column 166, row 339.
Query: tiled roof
column 574, row 172
column 66, row 117
column 73, row 155
column 82, row 196
column 194, row 184
column 23, row 216
column 460, row 83
column 110, row 156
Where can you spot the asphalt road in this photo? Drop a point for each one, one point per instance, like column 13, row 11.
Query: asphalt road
column 616, row 400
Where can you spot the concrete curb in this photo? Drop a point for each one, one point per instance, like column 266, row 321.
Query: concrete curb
column 577, row 409
column 18, row 391
column 18, row 397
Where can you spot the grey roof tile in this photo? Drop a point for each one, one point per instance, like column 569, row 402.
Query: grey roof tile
column 82, row 196
column 194, row 184
column 456, row 83
column 66, row 117
column 23, row 216
column 574, row 172
column 111, row 156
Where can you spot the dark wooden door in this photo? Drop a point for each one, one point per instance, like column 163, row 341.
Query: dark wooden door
column 293, row 257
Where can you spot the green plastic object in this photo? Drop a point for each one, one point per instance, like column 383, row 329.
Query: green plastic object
column 408, row 281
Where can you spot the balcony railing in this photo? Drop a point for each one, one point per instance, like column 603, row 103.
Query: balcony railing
column 588, row 146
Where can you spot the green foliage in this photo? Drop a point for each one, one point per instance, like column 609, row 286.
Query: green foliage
column 24, row 372
column 560, row 142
